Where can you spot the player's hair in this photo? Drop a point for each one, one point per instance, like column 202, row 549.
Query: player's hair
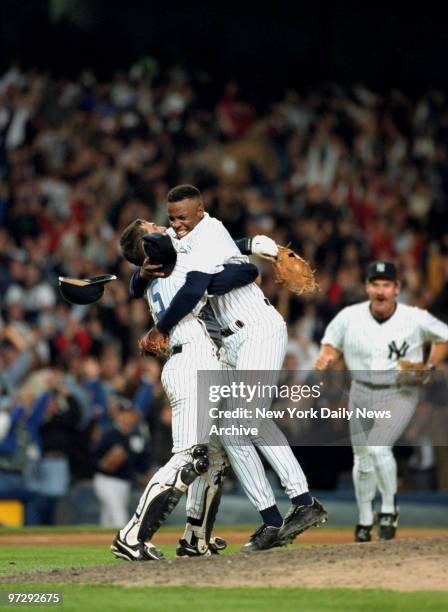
column 183, row 192
column 131, row 244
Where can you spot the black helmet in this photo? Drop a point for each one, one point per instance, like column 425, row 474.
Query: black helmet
column 83, row 290
column 159, row 249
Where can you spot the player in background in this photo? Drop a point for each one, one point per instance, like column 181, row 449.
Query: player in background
column 372, row 337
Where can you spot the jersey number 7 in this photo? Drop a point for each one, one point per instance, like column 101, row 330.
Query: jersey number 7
column 157, row 305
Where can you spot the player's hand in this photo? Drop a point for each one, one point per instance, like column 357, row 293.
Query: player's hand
column 323, row 362
column 150, row 270
column 264, row 247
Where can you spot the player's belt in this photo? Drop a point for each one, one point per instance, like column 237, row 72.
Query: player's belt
column 373, row 386
column 228, row 332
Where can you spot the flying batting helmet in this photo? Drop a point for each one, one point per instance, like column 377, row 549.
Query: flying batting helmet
column 159, row 249
column 83, row 290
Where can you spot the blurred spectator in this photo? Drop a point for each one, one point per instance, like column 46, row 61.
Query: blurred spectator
column 122, row 457
column 48, row 477
column 343, row 173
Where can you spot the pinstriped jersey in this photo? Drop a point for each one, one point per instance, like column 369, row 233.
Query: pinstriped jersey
column 159, row 295
column 246, row 304
column 369, row 345
column 212, row 246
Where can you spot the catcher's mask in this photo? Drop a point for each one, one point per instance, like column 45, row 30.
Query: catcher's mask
column 160, row 250
column 83, row 290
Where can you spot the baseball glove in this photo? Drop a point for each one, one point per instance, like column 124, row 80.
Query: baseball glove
column 293, row 272
column 154, row 343
column 414, row 373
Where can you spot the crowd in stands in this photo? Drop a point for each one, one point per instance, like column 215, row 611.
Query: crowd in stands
column 344, row 174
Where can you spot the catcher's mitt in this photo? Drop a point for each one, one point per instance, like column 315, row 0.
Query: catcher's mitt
column 414, row 373
column 293, row 272
column 154, row 343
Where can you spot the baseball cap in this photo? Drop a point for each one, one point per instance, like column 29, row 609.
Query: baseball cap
column 382, row 269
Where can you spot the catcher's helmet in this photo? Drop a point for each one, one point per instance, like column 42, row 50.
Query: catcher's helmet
column 83, row 290
column 159, row 249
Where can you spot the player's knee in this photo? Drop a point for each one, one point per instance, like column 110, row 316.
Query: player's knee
column 363, row 463
column 218, row 458
column 380, row 451
column 200, row 458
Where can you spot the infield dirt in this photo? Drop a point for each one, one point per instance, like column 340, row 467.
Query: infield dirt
column 407, row 564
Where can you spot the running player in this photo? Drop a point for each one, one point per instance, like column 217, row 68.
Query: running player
column 372, row 337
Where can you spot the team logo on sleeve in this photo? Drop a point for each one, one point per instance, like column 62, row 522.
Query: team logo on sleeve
column 397, row 352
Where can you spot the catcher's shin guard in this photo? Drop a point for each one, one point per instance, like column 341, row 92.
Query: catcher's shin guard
column 198, row 536
column 160, row 498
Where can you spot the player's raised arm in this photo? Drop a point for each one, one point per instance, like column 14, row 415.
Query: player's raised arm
column 259, row 245
column 142, row 276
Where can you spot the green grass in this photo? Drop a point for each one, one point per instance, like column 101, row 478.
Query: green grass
column 16, row 559
column 111, row 598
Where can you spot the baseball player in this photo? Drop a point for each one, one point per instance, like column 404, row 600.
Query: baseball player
column 190, row 349
column 373, row 337
column 203, row 496
column 254, row 337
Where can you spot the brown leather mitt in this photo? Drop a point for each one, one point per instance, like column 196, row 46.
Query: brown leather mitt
column 414, row 373
column 154, row 343
column 293, row 272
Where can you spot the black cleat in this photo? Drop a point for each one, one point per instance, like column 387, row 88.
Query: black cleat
column 217, row 544
column 300, row 518
column 143, row 551
column 187, row 549
column 387, row 525
column 191, row 549
column 363, row 533
column 263, row 538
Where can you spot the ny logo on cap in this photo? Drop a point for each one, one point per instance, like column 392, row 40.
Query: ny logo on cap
column 380, row 267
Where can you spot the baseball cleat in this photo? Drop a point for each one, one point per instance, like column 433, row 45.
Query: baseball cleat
column 142, row 551
column 387, row 525
column 363, row 533
column 300, row 518
column 185, row 548
column 263, row 538
column 216, row 544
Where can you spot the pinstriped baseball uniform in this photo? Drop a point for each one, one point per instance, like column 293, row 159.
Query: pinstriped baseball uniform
column 371, row 351
column 259, row 345
column 179, row 379
column 179, row 376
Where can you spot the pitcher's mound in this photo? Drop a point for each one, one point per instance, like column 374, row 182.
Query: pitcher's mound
column 401, row 565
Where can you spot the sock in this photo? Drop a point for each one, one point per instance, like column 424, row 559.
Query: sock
column 304, row 499
column 194, row 521
column 365, row 513
column 272, row 517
